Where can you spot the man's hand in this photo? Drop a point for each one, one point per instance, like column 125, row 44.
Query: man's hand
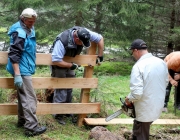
column 127, row 102
column 173, row 82
column 18, row 81
column 176, row 77
column 99, row 60
column 74, row 66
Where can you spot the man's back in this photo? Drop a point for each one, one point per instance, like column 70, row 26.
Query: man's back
column 151, row 76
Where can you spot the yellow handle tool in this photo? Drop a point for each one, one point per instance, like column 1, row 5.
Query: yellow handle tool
column 85, row 65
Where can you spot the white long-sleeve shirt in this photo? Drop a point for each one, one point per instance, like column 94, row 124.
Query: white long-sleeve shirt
column 149, row 78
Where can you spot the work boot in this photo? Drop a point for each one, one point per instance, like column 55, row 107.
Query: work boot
column 59, row 119
column 73, row 118
column 20, row 124
column 36, row 131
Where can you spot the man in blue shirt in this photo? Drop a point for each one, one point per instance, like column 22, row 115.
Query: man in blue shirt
column 21, row 64
column 70, row 43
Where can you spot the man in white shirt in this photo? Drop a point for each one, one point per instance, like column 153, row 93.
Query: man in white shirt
column 149, row 78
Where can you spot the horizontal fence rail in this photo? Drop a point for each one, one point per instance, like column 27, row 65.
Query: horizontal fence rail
column 50, row 83
column 54, row 108
column 45, row 59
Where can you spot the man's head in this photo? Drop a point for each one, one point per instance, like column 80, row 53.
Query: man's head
column 138, row 48
column 28, row 16
column 84, row 37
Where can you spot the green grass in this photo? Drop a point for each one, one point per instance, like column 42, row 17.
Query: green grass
column 110, row 89
column 9, row 131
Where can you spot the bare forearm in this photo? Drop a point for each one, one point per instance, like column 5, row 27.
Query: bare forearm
column 63, row 64
column 101, row 47
column 16, row 69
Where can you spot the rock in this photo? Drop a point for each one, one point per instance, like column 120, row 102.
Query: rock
column 101, row 133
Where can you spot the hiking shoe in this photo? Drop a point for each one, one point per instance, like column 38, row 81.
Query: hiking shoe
column 35, row 131
column 59, row 119
column 73, row 118
column 20, row 124
column 165, row 110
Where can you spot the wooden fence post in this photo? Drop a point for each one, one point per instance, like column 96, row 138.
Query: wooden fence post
column 85, row 93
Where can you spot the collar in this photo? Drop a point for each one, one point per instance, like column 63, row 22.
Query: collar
column 27, row 30
column 147, row 55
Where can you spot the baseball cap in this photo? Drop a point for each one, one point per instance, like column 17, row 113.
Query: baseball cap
column 138, row 44
column 28, row 13
column 84, row 36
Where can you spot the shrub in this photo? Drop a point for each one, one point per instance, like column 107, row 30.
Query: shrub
column 114, row 68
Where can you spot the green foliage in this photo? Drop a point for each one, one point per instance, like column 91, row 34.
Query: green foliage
column 4, row 72
column 111, row 19
column 2, row 96
column 113, row 68
column 119, row 22
column 43, row 71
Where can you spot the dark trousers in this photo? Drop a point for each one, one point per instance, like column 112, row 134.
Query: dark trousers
column 141, row 130
column 62, row 95
column 27, row 104
column 168, row 90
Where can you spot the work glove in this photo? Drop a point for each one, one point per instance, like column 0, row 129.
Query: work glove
column 74, row 66
column 18, row 81
column 99, row 60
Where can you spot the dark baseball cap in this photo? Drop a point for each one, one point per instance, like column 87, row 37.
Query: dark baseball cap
column 138, row 44
column 84, row 36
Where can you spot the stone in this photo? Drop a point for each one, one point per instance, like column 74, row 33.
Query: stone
column 101, row 133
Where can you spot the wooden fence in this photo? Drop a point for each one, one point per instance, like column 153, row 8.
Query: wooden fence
column 82, row 108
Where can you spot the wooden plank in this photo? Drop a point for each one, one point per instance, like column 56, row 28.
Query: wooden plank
column 49, row 82
column 45, row 59
column 54, row 108
column 101, row 121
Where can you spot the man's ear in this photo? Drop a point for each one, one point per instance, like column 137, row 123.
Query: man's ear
column 23, row 19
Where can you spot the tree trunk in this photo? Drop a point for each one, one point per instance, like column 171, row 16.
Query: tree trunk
column 170, row 46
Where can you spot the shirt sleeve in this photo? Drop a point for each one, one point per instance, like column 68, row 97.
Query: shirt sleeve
column 58, row 52
column 136, row 84
column 16, row 48
column 94, row 37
